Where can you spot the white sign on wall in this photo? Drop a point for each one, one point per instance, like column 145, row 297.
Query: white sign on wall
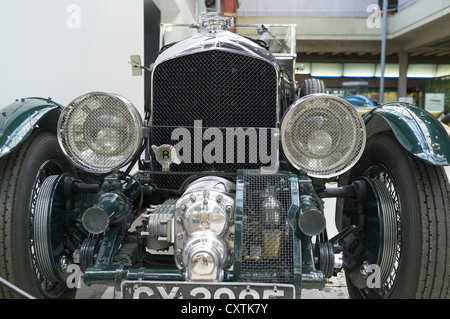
column 406, row 99
column 434, row 102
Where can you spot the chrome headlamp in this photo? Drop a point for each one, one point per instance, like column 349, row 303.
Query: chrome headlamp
column 100, row 131
column 322, row 135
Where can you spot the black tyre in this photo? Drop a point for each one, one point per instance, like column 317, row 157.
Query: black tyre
column 312, row 86
column 21, row 176
column 420, row 194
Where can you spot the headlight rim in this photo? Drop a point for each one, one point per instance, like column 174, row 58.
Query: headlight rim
column 80, row 163
column 284, row 123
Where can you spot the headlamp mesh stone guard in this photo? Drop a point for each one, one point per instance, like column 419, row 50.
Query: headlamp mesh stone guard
column 323, row 135
column 100, row 131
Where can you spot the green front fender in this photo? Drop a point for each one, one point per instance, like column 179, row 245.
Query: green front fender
column 419, row 132
column 20, row 118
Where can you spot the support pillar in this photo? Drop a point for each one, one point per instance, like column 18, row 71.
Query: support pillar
column 403, row 69
column 383, row 51
column 229, row 6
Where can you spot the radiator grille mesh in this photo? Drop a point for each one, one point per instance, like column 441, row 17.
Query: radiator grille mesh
column 223, row 90
column 267, row 240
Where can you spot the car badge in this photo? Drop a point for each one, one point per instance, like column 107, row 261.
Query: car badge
column 166, row 155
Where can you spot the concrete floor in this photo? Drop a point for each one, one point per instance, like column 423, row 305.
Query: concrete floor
column 334, row 289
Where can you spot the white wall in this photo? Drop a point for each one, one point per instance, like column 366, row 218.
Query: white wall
column 65, row 48
column 177, row 11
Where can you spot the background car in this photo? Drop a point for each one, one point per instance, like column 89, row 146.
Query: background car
column 361, row 102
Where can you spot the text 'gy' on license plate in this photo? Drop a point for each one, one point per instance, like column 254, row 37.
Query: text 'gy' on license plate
column 195, row 290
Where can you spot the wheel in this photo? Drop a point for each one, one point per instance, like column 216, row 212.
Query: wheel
column 414, row 247
column 22, row 176
column 311, row 86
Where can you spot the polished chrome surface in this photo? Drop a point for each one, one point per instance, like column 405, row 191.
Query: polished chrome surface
column 215, row 23
column 270, row 33
column 206, row 205
column 205, row 256
column 160, row 225
column 204, row 227
column 221, row 40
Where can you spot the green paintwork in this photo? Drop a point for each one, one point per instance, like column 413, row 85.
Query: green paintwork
column 103, row 272
column 113, row 275
column 418, row 131
column 110, row 243
column 19, row 119
column 115, row 205
column 310, row 276
column 238, row 224
column 296, row 245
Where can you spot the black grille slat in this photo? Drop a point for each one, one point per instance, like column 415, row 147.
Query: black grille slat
column 223, row 90
column 267, row 248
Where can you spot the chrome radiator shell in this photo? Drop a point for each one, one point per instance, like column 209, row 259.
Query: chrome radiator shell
column 220, row 78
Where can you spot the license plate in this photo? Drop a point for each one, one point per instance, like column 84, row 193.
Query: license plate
column 191, row 290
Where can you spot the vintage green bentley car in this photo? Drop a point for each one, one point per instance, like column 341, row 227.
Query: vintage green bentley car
column 216, row 189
